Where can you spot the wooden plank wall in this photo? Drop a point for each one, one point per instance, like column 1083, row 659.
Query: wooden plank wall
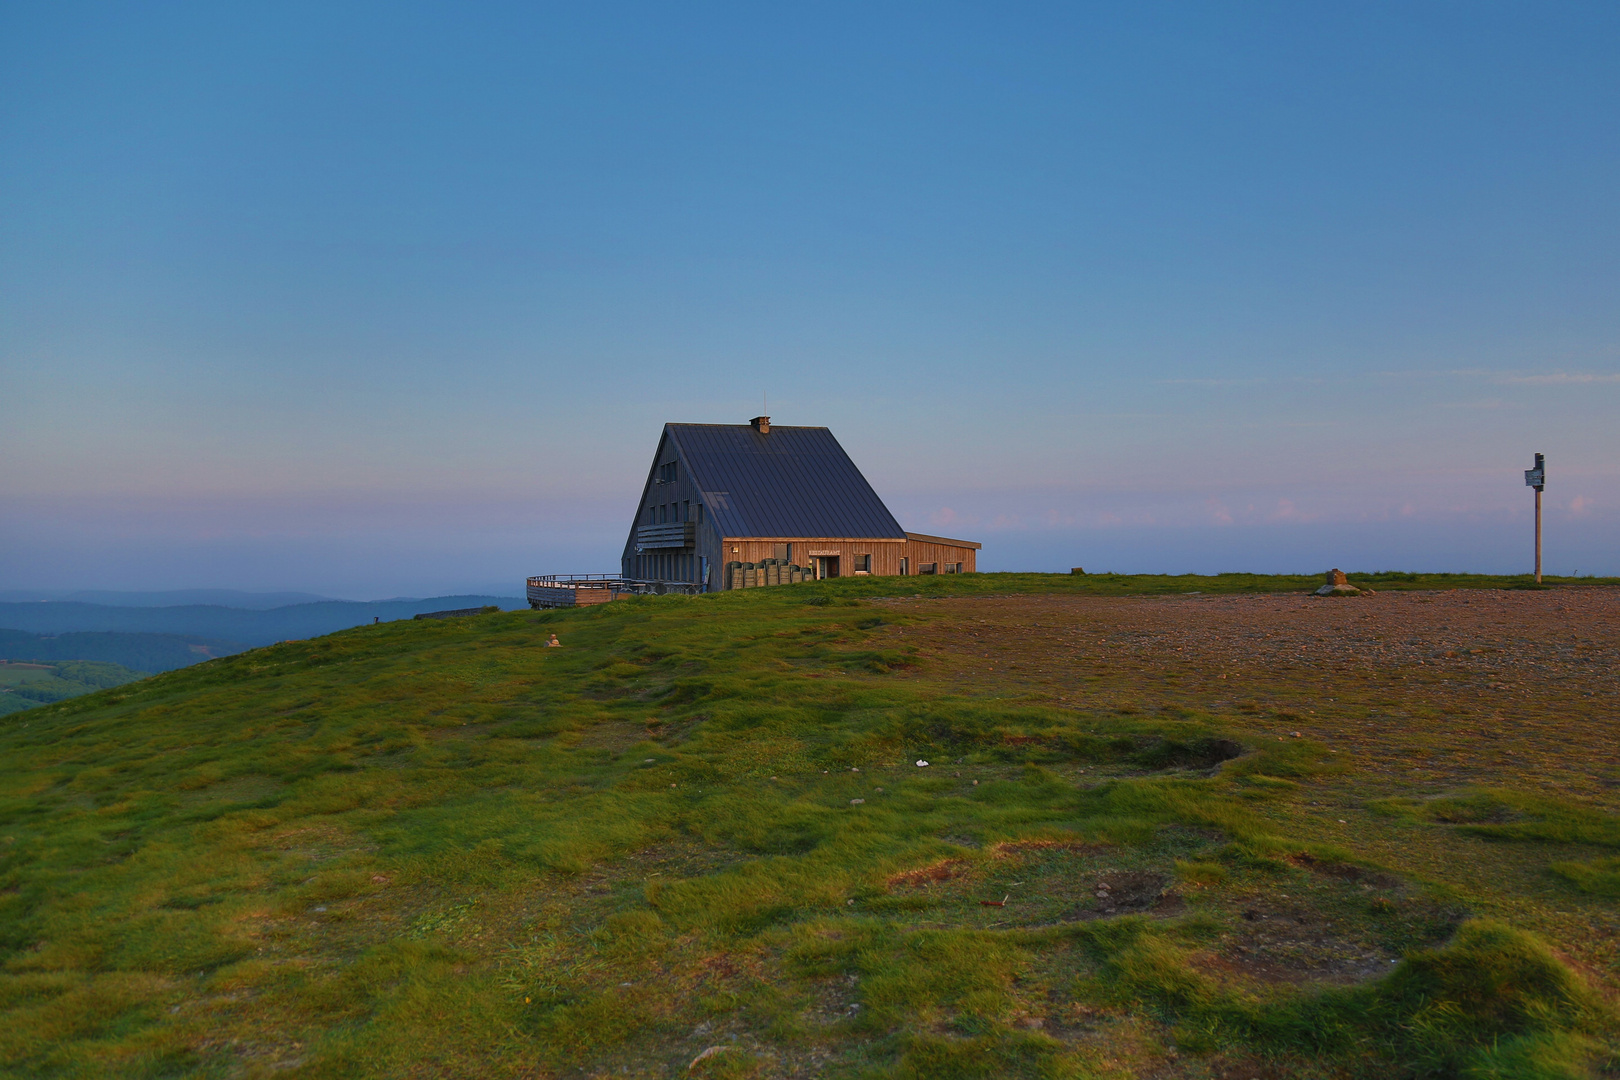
column 886, row 554
column 564, row 596
column 923, row 552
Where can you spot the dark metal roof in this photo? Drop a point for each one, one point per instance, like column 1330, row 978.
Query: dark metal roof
column 795, row 481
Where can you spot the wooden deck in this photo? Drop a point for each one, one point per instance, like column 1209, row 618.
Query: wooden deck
column 582, row 590
column 575, row 590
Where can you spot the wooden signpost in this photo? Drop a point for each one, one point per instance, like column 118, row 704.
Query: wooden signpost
column 1537, row 478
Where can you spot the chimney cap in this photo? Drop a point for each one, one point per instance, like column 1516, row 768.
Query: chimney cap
column 761, row 424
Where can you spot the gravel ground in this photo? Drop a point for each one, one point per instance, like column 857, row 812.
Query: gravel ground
column 1454, row 686
column 1420, row 693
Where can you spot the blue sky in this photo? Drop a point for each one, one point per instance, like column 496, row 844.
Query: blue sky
column 392, row 299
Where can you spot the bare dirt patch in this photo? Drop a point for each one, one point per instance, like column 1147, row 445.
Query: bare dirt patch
column 943, row 870
column 1119, row 892
column 613, row 735
column 1281, row 941
column 1347, row 872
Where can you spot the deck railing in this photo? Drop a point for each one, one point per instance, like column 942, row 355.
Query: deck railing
column 575, row 590
column 567, row 580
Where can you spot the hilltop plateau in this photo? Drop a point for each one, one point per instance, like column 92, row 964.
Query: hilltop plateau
column 977, row 826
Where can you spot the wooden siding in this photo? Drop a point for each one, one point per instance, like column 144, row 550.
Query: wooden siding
column 560, row 596
column 886, row 554
column 941, row 552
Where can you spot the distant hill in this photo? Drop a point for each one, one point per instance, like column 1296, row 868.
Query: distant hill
column 138, row 652
column 229, row 624
column 252, row 601
column 27, row 686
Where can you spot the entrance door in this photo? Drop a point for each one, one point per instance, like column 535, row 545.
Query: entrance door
column 826, row 566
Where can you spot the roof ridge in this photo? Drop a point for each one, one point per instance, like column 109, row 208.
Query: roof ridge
column 774, row 427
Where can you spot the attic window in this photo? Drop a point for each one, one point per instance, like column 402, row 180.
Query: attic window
column 666, row 473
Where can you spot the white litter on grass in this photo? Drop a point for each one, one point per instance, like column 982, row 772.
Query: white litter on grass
column 706, row 1055
column 921, row 763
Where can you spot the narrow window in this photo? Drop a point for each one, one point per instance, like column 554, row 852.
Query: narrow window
column 905, row 566
column 699, row 518
column 686, row 511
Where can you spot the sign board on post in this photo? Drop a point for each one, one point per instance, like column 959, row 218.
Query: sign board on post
column 1537, row 478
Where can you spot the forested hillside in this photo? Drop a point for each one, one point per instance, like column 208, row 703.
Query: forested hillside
column 251, row 627
column 140, row 652
column 27, row 686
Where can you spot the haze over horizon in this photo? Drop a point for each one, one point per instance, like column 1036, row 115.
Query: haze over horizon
column 393, row 300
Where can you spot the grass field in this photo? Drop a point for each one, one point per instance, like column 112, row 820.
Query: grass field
column 696, row 840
